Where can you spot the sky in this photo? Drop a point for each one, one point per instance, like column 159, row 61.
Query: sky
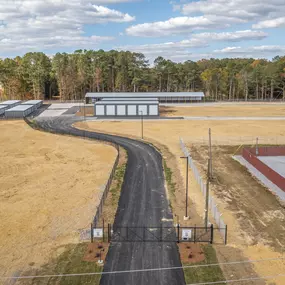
column 178, row 30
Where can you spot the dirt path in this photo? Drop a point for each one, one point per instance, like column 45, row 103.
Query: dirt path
column 42, row 203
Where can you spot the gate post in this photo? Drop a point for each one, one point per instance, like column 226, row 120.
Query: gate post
column 226, row 234
column 92, row 233
column 178, row 232
column 195, row 234
column 127, row 234
column 109, row 233
column 161, row 233
column 103, row 231
column 212, row 233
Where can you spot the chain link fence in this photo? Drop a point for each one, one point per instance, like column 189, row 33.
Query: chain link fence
column 242, row 140
column 212, row 204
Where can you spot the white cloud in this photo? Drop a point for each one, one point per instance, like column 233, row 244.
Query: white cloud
column 253, row 51
column 175, row 51
column 242, row 9
column 273, row 23
column 231, row 36
column 177, row 25
column 29, row 25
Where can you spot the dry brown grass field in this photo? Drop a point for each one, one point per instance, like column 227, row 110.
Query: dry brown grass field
column 49, row 191
column 229, row 110
column 244, row 243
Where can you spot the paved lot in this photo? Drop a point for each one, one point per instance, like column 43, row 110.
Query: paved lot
column 277, row 163
column 143, row 202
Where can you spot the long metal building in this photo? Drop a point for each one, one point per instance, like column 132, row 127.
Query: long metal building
column 3, row 108
column 11, row 103
column 36, row 103
column 163, row 97
column 19, row 111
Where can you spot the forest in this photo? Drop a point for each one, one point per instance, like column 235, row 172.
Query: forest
column 68, row 76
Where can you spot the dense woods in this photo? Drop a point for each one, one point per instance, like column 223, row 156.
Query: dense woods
column 70, row 76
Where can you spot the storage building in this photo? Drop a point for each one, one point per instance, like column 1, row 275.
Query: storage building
column 121, row 108
column 3, row 108
column 19, row 111
column 163, row 97
column 11, row 103
column 36, row 103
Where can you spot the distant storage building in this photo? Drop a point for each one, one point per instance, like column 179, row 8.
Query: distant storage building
column 3, row 108
column 11, row 103
column 36, row 103
column 19, row 111
column 163, row 97
column 117, row 108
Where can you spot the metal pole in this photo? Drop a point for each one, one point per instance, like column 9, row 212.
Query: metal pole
column 186, row 197
column 187, row 187
column 256, row 148
column 142, row 122
column 207, row 197
column 210, row 153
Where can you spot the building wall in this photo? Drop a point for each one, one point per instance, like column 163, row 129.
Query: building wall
column 126, row 110
column 268, row 172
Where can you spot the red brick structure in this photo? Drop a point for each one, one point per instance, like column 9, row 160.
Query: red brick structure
column 249, row 154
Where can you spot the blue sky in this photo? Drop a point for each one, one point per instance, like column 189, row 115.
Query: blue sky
column 177, row 30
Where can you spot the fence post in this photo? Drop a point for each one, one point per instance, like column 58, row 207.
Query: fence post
column 103, row 230
column 195, row 234
column 226, row 234
column 109, row 232
column 178, row 232
column 92, row 233
column 127, row 229
column 161, row 233
column 212, row 234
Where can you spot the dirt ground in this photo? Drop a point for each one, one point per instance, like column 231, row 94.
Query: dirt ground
column 252, row 110
column 49, row 191
column 166, row 134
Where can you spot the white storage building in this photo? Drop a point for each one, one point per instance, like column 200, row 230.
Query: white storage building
column 19, row 111
column 36, row 103
column 117, row 108
column 3, row 108
column 11, row 103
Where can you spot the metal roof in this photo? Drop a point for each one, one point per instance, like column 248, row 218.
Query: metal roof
column 3, row 106
column 126, row 102
column 20, row 108
column 130, row 99
column 32, row 102
column 10, row 102
column 144, row 94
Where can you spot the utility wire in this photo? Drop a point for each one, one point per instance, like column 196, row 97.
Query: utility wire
column 143, row 270
column 239, row 280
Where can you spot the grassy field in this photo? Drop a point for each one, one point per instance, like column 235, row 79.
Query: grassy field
column 225, row 110
column 49, row 190
column 165, row 135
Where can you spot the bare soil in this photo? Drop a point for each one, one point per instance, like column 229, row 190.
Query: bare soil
column 85, row 111
column 49, row 191
column 191, row 252
column 238, row 110
column 95, row 251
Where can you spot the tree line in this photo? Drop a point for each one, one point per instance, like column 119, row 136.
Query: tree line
column 70, row 76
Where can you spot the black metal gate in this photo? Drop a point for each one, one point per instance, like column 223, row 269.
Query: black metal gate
column 160, row 234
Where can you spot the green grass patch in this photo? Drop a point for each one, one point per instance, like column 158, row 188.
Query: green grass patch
column 69, row 262
column 118, row 180
column 205, row 274
column 168, row 176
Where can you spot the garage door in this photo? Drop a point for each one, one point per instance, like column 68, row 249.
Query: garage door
column 143, row 109
column 121, row 110
column 110, row 110
column 153, row 110
column 132, row 110
column 99, row 110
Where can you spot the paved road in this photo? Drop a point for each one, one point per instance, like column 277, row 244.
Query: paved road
column 143, row 202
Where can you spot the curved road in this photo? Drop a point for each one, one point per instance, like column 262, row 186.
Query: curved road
column 143, row 202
